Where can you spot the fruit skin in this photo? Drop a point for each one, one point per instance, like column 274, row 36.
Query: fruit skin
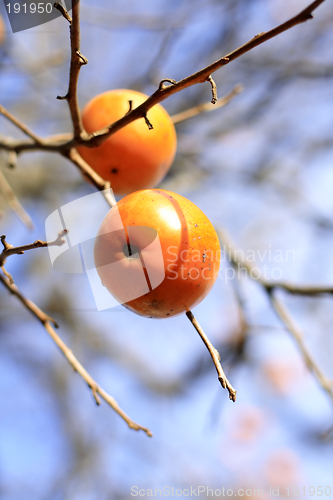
column 190, row 247
column 134, row 157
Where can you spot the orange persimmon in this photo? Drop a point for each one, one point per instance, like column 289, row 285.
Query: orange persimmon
column 134, row 157
column 157, row 253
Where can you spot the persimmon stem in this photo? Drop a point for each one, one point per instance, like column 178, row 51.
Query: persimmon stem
column 215, row 357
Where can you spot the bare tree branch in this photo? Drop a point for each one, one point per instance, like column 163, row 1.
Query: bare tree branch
column 297, row 334
column 56, row 144
column 77, row 60
column 215, row 357
column 47, row 322
column 237, row 260
column 310, row 290
column 200, row 77
column 162, row 93
column 10, row 250
column 63, row 11
column 90, row 173
column 26, row 130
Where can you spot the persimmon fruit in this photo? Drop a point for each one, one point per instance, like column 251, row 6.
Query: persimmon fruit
column 157, row 253
column 135, row 157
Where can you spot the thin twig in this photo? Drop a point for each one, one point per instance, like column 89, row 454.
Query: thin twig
column 26, row 130
column 63, row 11
column 10, row 250
column 297, row 334
column 57, row 143
column 214, row 89
column 214, row 355
column 76, row 365
column 207, row 106
column 201, row 76
column 77, row 60
column 148, row 123
column 310, row 290
column 239, row 262
column 87, row 171
column 14, row 203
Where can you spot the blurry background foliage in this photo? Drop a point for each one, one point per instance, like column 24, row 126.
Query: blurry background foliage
column 261, row 168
